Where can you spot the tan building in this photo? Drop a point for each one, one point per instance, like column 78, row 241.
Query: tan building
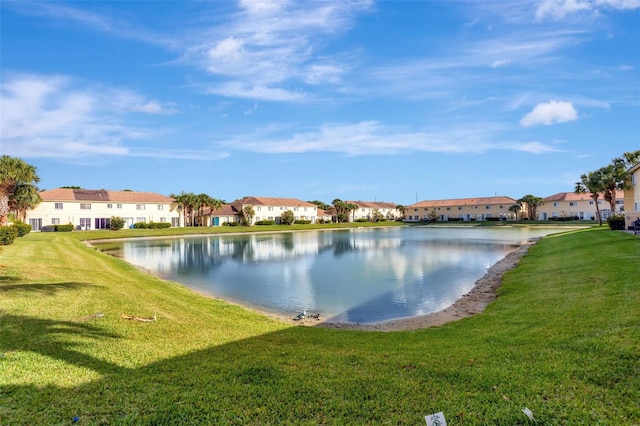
column 92, row 209
column 367, row 210
column 264, row 208
column 461, row 209
column 577, row 206
column 632, row 197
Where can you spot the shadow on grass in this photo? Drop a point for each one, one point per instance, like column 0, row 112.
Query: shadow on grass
column 54, row 339
column 48, row 289
column 286, row 377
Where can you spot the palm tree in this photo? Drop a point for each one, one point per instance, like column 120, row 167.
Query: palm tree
column 25, row 197
column 531, row 203
column 592, row 182
column 246, row 215
column 13, row 172
column 188, row 202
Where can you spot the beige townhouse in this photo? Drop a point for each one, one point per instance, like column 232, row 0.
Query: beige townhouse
column 88, row 209
column 369, row 209
column 577, row 206
column 264, row 208
column 461, row 209
column 632, row 197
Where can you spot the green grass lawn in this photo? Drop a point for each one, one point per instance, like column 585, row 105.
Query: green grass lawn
column 562, row 338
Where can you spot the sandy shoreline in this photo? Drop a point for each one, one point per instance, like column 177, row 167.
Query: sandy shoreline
column 473, row 302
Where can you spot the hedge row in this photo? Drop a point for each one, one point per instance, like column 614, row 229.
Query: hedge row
column 8, row 234
column 151, row 225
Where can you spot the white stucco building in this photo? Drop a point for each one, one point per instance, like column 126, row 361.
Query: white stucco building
column 92, row 209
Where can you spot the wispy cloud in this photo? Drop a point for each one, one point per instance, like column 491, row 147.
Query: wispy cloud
column 57, row 116
column 559, row 9
column 375, row 138
column 269, row 49
column 92, row 20
column 548, row 113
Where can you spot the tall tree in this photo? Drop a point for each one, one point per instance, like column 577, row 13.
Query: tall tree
column 188, row 202
column 531, row 203
column 13, row 172
column 343, row 209
column 592, row 183
column 25, row 197
column 320, row 204
column 615, row 176
column 246, row 215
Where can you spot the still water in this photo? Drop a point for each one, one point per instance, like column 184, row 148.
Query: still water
column 355, row 276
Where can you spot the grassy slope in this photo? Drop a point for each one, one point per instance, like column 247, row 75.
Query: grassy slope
column 563, row 338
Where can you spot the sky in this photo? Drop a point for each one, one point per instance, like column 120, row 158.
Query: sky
column 395, row 101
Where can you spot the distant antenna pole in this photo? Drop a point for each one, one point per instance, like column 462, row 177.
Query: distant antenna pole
column 416, row 197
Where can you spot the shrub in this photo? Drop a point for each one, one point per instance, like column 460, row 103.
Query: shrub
column 492, row 219
column 266, row 222
column 116, row 223
column 7, row 235
column 48, row 228
column 616, row 222
column 230, row 224
column 361, row 219
column 303, row 222
column 151, row 225
column 63, row 228
column 457, row 219
column 22, row 228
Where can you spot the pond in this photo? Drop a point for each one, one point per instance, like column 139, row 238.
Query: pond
column 364, row 275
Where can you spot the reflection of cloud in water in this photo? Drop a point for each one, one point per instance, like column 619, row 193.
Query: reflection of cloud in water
column 363, row 275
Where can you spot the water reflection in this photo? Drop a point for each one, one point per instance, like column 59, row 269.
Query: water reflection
column 360, row 275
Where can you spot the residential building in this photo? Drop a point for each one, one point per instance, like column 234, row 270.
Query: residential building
column 461, row 209
column 579, row 206
column 92, row 209
column 368, row 209
column 632, row 196
column 264, row 208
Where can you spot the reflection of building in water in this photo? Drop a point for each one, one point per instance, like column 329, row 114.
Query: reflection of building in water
column 357, row 274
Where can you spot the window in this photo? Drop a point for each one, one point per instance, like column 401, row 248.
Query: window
column 55, row 221
column 258, row 208
column 85, row 206
column 119, row 206
column 270, row 208
column 555, row 204
column 160, row 207
column 163, row 219
column 141, row 220
column 488, row 207
column 175, row 221
column 139, row 206
column 573, row 203
column 109, row 206
column 85, row 223
column 58, row 206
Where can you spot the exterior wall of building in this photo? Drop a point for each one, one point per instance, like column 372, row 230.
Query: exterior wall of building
column 460, row 210
column 577, row 205
column 89, row 214
column 632, row 197
column 274, row 212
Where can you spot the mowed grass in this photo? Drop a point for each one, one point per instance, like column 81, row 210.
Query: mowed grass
column 562, row 338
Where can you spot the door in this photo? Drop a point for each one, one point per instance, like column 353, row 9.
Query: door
column 36, row 224
column 216, row 221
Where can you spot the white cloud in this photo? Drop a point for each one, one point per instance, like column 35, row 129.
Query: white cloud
column 559, row 9
column 269, row 49
column 57, row 116
column 550, row 113
column 374, row 138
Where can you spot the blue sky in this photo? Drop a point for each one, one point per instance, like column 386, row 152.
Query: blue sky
column 392, row 101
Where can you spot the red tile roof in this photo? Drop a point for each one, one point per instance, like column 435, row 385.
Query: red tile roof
column 478, row 201
column 102, row 195
column 572, row 196
column 271, row 201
